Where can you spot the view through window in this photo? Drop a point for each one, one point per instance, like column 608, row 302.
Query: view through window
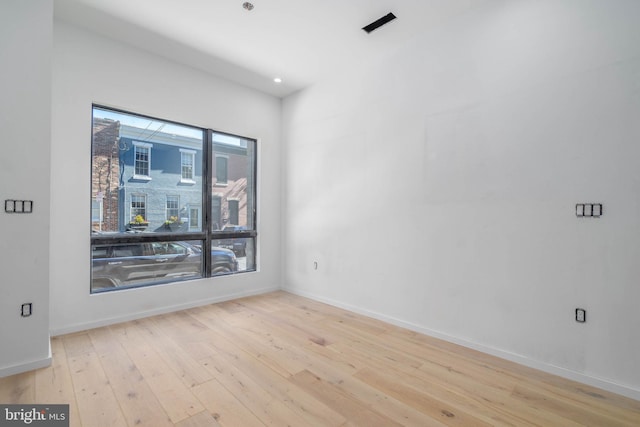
column 165, row 207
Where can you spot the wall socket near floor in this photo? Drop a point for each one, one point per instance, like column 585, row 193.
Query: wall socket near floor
column 581, row 315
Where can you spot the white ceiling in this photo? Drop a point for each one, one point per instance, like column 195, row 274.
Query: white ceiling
column 297, row 40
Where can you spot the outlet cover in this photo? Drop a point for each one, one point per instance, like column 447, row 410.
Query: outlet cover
column 26, row 309
column 581, row 315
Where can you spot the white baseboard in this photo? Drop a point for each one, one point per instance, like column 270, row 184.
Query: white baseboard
column 522, row 360
column 162, row 310
column 27, row 366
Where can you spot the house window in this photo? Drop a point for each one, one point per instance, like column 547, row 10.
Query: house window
column 142, row 160
column 187, row 164
column 221, row 169
column 234, row 211
column 96, row 214
column 194, row 217
column 138, row 208
column 216, row 212
column 173, row 208
column 210, row 234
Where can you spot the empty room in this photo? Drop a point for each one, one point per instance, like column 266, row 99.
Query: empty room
column 359, row 213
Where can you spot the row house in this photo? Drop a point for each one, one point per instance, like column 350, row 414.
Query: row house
column 146, row 180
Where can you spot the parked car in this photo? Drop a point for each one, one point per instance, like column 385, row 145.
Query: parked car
column 128, row 264
column 237, row 245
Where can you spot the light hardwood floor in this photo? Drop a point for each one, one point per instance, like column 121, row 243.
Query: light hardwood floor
column 283, row 360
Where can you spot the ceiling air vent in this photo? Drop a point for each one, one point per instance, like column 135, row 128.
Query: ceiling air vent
column 379, row 22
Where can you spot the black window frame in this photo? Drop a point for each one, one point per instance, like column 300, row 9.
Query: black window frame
column 207, row 234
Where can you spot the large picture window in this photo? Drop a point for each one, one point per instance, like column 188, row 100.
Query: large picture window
column 169, row 219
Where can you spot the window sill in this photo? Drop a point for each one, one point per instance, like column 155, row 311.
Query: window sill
column 141, row 177
column 221, row 184
column 187, row 181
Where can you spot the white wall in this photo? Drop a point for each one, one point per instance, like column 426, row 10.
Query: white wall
column 89, row 68
column 436, row 188
column 25, row 126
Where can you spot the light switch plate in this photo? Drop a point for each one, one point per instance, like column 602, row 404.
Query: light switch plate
column 18, row 206
column 26, row 310
column 591, row 210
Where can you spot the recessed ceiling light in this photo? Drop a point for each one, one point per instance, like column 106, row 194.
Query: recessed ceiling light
column 247, row 5
column 277, row 80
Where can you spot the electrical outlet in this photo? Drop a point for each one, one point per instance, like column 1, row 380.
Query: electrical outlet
column 26, row 310
column 581, row 315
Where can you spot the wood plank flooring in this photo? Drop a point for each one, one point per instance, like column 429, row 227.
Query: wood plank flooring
column 282, row 360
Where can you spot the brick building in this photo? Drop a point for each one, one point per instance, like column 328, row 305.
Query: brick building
column 105, row 180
